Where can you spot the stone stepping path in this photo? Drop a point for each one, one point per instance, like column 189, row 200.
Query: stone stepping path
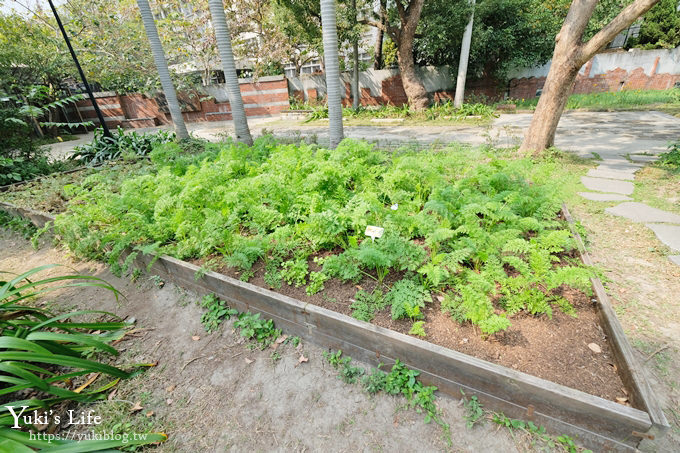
column 604, row 196
column 643, row 158
column 613, row 180
column 641, row 213
column 611, row 174
column 668, row 234
column 608, row 185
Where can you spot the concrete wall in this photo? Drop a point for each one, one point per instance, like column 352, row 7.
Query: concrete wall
column 609, row 71
column 377, row 87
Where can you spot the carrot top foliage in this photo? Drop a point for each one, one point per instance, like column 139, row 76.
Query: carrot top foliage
column 479, row 229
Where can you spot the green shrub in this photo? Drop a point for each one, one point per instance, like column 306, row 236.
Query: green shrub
column 41, row 352
column 671, row 158
column 120, row 144
column 407, row 298
column 479, row 228
column 21, row 158
column 366, row 304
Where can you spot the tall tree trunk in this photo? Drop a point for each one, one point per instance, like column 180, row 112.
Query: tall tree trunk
column 378, row 50
column 463, row 62
column 162, row 67
column 414, row 88
column 570, row 54
column 356, row 96
column 332, row 70
column 378, row 58
column 238, row 112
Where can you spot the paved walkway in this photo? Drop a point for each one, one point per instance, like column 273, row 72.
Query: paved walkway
column 625, row 146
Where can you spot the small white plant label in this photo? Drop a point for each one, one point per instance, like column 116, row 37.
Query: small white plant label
column 374, row 232
column 395, row 206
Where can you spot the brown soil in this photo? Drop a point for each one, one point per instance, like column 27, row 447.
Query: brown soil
column 554, row 349
column 214, row 392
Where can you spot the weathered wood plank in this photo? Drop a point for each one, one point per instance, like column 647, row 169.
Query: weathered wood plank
column 633, row 374
column 39, row 219
column 447, row 369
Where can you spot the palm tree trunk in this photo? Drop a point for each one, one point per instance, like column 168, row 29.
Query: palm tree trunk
column 356, row 96
column 162, row 67
column 463, row 62
column 332, row 70
column 238, row 112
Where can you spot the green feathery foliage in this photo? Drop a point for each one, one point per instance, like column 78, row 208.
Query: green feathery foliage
column 481, row 229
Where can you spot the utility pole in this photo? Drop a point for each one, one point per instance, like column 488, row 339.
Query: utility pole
column 107, row 133
column 463, row 62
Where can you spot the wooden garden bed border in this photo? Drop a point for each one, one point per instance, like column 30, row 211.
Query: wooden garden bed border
column 596, row 422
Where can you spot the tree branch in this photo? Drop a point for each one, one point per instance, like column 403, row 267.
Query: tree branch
column 402, row 12
column 626, row 17
column 373, row 23
column 389, row 29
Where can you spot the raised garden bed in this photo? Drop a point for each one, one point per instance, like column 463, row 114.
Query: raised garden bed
column 493, row 216
column 596, row 422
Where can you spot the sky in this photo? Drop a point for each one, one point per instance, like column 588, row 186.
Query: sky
column 6, row 6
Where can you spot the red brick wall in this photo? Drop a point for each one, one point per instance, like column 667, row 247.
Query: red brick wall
column 258, row 99
column 139, row 106
column 392, row 92
column 110, row 107
column 614, row 80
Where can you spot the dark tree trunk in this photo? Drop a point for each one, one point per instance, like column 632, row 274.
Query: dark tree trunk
column 414, row 88
column 378, row 63
column 378, row 50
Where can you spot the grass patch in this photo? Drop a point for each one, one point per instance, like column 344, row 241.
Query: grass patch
column 437, row 114
column 58, row 139
column 617, row 100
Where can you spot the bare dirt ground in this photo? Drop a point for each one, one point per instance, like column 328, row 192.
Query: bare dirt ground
column 644, row 287
column 217, row 394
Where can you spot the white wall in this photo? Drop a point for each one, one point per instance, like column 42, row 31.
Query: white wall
column 433, row 78
column 669, row 63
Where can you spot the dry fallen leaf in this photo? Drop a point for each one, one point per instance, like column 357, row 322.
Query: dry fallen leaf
column 275, row 346
column 281, row 339
column 595, row 348
column 149, row 414
column 137, row 407
column 302, row 359
column 195, row 338
column 621, row 400
column 112, row 394
column 170, row 388
column 440, row 298
column 92, row 378
column 248, row 361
